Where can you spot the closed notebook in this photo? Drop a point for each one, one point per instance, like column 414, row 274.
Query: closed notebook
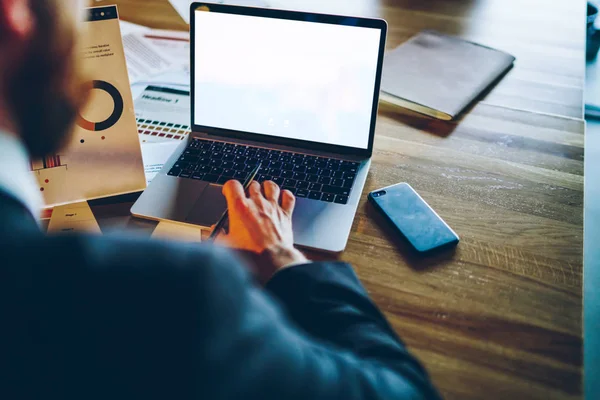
column 440, row 75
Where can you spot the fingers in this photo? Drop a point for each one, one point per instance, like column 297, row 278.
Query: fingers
column 234, row 193
column 288, row 202
column 272, row 191
column 254, row 192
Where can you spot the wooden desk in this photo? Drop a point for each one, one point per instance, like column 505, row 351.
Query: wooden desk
column 501, row 317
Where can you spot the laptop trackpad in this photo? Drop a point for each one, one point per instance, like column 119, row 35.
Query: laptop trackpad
column 208, row 208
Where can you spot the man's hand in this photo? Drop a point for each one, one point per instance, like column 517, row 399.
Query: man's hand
column 262, row 223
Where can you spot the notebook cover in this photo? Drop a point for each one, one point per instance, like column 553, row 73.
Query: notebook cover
column 441, row 73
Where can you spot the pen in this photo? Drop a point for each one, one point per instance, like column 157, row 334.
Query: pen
column 225, row 217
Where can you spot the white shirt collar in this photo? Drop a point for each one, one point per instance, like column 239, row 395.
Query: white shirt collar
column 16, row 177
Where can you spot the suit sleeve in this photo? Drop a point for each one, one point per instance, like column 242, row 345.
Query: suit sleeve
column 336, row 345
column 328, row 302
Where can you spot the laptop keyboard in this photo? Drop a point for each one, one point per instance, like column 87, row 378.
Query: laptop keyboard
column 316, row 178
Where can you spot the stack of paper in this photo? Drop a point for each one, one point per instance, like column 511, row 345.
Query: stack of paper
column 155, row 156
column 151, row 52
column 73, row 218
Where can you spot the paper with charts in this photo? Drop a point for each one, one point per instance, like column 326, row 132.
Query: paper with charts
column 104, row 156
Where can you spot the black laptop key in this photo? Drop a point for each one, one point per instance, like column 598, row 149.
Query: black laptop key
column 288, row 166
column 290, row 183
column 239, row 166
column 301, row 193
column 203, row 161
column 321, row 163
column 286, row 174
column 341, row 199
column 216, row 170
column 278, row 180
column 349, row 167
column 252, row 161
column 227, row 164
column 315, row 187
column 325, row 172
column 333, row 166
column 273, row 172
column 300, row 176
column 286, row 158
column 308, row 162
column 216, row 156
column 303, row 185
column 191, row 152
column 229, row 157
column 228, row 172
column 312, row 178
column 328, row 197
column 337, row 174
column 240, row 159
column 212, row 178
column 203, row 169
column 314, row 195
column 325, row 180
column 240, row 175
column 265, row 164
column 174, row 171
column 276, row 165
column 336, row 190
column 299, row 168
column 349, row 175
column 337, row 182
column 241, row 150
column 182, row 165
column 348, row 183
column 249, row 167
column 312, row 170
column 198, row 176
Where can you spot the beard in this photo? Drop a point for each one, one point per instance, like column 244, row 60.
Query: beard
column 45, row 91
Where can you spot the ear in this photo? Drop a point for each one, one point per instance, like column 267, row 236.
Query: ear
column 16, row 18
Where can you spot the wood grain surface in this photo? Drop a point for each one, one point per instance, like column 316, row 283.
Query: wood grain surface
column 500, row 317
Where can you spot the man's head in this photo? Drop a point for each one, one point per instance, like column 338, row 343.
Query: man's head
column 40, row 79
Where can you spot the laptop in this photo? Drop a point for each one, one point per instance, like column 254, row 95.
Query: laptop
column 297, row 92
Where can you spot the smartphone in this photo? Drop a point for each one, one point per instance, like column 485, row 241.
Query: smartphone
column 413, row 218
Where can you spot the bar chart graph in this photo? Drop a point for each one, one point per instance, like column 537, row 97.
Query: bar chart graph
column 47, row 162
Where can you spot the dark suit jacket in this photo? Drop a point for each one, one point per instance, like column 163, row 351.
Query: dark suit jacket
column 106, row 318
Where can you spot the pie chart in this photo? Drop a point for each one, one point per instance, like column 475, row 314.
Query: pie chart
column 114, row 117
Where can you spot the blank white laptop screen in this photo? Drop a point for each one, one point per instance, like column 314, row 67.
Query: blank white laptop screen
column 291, row 79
